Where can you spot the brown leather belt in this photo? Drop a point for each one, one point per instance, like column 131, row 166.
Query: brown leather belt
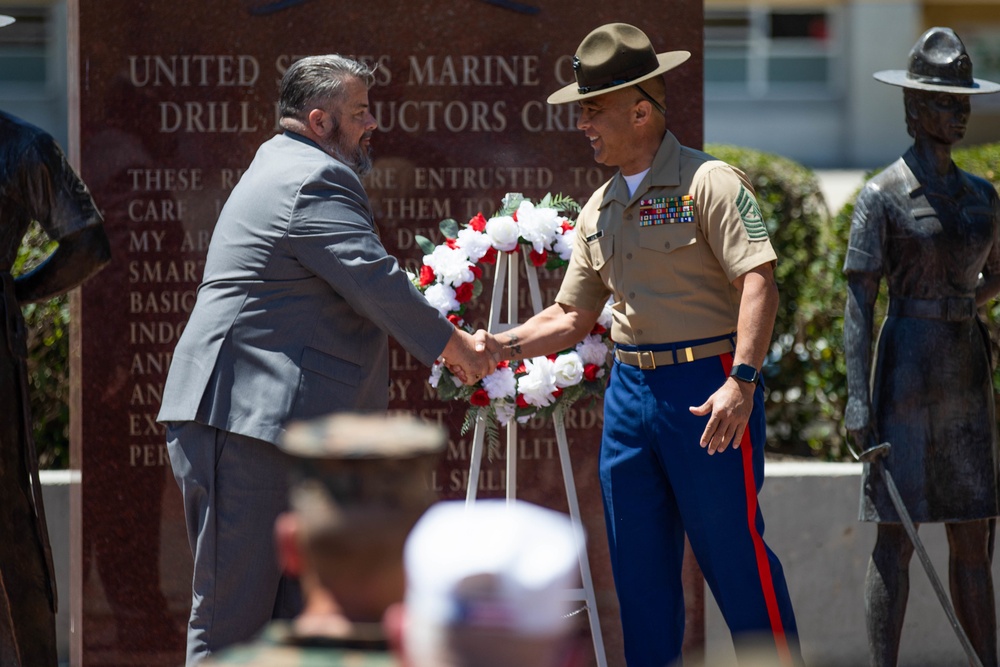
column 647, row 360
column 952, row 309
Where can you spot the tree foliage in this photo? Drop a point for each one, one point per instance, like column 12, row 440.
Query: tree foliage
column 47, row 323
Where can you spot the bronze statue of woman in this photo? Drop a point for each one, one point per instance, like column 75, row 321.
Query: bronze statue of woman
column 932, row 232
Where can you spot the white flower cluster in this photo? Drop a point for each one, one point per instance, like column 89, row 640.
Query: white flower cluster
column 452, row 266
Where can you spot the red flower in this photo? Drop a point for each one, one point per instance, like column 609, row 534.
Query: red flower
column 451, row 243
column 504, row 364
column 590, row 372
column 455, row 319
column 598, row 330
column 426, row 275
column 521, row 403
column 521, row 369
column 480, row 397
column 478, row 223
column 566, row 226
column 551, row 357
column 514, row 215
column 463, row 292
column 476, row 271
column 557, row 393
column 490, row 257
column 539, row 258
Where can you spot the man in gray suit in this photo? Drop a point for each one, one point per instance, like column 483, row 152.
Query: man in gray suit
column 291, row 323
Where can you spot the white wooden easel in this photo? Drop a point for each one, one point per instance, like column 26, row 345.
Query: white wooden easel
column 506, row 273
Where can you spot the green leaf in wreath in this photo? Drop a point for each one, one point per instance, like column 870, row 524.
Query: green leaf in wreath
column 449, row 227
column 425, row 244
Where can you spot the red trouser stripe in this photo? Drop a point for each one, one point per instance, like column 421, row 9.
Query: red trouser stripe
column 763, row 564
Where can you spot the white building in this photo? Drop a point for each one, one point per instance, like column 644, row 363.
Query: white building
column 794, row 77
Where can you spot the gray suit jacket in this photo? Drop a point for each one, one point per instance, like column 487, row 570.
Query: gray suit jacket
column 297, row 299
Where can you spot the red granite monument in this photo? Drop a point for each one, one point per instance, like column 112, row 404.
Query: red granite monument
column 170, row 101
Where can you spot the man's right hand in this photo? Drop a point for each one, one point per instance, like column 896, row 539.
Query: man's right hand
column 468, row 356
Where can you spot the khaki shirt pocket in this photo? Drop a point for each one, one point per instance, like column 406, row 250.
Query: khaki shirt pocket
column 669, row 237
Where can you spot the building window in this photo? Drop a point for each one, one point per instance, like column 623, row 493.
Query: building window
column 24, row 47
column 760, row 52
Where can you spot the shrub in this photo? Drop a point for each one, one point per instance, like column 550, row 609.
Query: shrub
column 984, row 161
column 805, row 370
column 48, row 359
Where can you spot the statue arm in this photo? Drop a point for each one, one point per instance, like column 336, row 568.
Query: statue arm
column 859, row 313
column 77, row 257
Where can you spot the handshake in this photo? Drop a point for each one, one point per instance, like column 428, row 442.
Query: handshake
column 471, row 357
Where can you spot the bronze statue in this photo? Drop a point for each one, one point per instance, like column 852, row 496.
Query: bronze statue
column 932, row 231
column 36, row 184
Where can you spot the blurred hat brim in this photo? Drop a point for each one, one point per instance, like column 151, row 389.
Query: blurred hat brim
column 6, row 20
column 902, row 78
column 571, row 93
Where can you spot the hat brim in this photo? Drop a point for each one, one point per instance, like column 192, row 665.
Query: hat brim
column 571, row 93
column 899, row 77
column 6, row 20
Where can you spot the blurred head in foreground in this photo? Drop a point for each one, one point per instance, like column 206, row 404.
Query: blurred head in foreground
column 487, row 587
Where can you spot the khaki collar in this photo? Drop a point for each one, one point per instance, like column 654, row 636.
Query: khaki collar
column 664, row 172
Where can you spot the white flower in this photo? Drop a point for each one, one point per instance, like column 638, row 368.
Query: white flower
column 501, row 384
column 592, row 350
column 505, row 411
column 564, row 244
column 539, row 383
column 568, row 369
column 606, row 317
column 435, row 374
column 442, row 297
column 475, row 244
column 539, row 226
column 503, row 232
column 450, row 265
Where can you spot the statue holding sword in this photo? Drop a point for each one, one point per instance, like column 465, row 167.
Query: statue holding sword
column 932, row 232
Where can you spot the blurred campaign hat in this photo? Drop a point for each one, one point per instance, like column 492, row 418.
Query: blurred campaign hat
column 364, row 468
column 493, row 565
column 6, row 20
column 611, row 57
column 939, row 62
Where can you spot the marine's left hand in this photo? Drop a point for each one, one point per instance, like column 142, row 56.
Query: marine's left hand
column 730, row 408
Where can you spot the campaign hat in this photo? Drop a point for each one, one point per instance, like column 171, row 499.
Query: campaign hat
column 939, row 62
column 356, row 469
column 612, row 57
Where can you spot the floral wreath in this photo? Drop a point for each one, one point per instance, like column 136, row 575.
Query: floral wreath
column 450, row 279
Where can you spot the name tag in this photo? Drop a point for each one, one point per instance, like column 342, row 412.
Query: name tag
column 595, row 236
column 666, row 210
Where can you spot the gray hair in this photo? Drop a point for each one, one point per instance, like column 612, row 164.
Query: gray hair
column 318, row 79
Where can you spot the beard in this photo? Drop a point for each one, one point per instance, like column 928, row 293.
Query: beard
column 357, row 156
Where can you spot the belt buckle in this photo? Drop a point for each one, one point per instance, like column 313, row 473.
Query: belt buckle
column 641, row 355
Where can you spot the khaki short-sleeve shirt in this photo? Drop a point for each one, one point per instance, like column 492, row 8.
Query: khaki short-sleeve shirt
column 668, row 255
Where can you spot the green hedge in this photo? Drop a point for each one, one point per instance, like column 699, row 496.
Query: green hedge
column 48, row 359
column 805, row 371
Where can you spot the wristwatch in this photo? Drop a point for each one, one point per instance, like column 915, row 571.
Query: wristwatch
column 745, row 373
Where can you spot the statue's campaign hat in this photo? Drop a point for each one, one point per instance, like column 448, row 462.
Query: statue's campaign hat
column 366, row 468
column 614, row 56
column 6, row 20
column 939, row 62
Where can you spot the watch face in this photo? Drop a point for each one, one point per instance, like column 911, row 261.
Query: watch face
column 744, row 373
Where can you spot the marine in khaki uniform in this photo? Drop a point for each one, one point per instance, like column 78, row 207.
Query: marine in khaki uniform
column 676, row 241
column 359, row 486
